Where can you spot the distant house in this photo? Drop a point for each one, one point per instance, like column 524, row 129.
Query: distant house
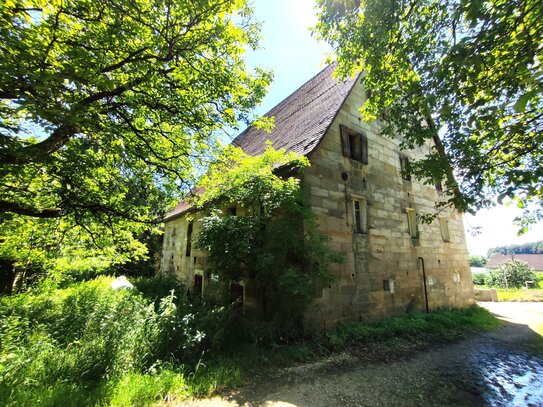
column 363, row 201
column 535, row 261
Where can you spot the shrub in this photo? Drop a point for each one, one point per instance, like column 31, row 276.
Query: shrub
column 479, row 278
column 289, row 256
column 88, row 333
column 512, row 274
column 477, row 261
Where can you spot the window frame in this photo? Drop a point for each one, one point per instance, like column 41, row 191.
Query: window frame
column 354, row 144
column 360, row 222
column 188, row 248
column 404, row 163
column 439, row 187
column 444, row 227
column 412, row 224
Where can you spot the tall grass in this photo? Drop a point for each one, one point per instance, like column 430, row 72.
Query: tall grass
column 86, row 344
column 62, row 343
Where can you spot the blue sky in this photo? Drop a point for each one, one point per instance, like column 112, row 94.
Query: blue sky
column 295, row 56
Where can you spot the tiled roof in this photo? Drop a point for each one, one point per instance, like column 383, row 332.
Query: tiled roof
column 301, row 120
column 184, row 205
column 535, row 261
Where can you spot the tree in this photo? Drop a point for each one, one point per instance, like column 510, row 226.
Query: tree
column 107, row 106
column 477, row 261
column 512, row 274
column 525, row 248
column 274, row 242
column 465, row 75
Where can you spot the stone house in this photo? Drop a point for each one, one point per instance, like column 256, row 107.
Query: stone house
column 362, row 200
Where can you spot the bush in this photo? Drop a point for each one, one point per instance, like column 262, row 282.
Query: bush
column 477, row 261
column 512, row 274
column 479, row 278
column 87, row 333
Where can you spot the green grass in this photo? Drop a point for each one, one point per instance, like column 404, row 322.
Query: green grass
column 87, row 345
column 517, row 294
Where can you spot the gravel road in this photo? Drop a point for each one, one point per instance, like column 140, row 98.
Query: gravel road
column 499, row 368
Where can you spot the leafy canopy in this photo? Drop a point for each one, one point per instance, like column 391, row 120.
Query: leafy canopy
column 274, row 241
column 477, row 261
column 466, row 74
column 106, row 108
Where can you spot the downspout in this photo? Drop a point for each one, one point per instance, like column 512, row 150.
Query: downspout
column 424, row 283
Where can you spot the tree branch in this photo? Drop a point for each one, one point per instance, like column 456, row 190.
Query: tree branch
column 27, row 210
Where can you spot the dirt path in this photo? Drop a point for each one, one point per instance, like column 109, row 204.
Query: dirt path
column 500, row 368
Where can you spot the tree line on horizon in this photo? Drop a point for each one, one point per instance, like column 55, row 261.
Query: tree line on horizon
column 525, row 248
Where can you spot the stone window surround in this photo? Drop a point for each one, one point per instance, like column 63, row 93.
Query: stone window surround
column 360, row 225
column 354, row 144
column 444, row 226
column 404, row 163
column 412, row 222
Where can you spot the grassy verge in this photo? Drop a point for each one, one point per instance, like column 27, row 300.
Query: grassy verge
column 517, row 294
column 88, row 345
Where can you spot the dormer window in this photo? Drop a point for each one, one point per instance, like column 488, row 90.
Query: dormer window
column 354, row 144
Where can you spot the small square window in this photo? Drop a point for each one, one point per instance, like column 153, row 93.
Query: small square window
column 232, row 211
column 354, row 144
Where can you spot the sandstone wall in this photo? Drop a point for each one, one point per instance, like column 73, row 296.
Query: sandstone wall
column 384, row 267
column 383, row 272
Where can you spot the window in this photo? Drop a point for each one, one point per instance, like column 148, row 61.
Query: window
column 444, row 224
column 232, row 211
column 439, row 187
column 404, row 165
column 388, row 285
column 360, row 215
column 189, row 239
column 412, row 222
column 355, row 145
column 174, row 236
column 198, row 288
column 237, row 295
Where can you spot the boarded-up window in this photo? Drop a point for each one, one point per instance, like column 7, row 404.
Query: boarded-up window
column 360, row 215
column 444, row 224
column 404, row 166
column 189, row 239
column 354, row 144
column 412, row 222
